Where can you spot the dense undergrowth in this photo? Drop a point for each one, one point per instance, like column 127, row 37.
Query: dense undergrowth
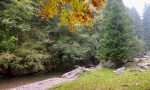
column 29, row 44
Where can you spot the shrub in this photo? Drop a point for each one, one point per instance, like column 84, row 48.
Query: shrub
column 23, row 61
column 36, row 61
column 67, row 53
column 8, row 44
column 32, row 58
column 9, row 60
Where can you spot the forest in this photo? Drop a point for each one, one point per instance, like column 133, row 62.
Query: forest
column 40, row 36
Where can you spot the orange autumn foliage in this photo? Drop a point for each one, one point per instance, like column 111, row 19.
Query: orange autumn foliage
column 71, row 12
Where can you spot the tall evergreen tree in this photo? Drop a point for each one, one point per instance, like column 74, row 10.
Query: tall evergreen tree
column 146, row 26
column 116, row 34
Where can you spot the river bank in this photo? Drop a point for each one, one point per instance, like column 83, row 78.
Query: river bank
column 12, row 82
column 125, row 78
column 50, row 81
column 42, row 85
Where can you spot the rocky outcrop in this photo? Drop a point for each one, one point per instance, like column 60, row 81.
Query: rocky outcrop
column 143, row 63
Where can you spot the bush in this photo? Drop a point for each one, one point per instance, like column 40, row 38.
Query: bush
column 76, row 51
column 23, row 52
column 32, row 58
column 67, row 52
column 23, row 61
column 8, row 44
column 36, row 61
column 8, row 60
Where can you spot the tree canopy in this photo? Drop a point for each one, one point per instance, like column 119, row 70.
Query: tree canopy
column 71, row 12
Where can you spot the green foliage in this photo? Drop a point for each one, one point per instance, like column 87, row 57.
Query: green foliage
column 76, row 51
column 116, row 34
column 17, row 14
column 16, row 19
column 23, row 59
column 67, row 49
column 23, row 52
column 35, row 61
column 32, row 41
column 74, row 48
column 30, row 45
column 32, row 58
column 16, row 36
column 8, row 45
column 8, row 60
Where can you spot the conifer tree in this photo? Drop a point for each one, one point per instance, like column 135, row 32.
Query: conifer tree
column 117, row 35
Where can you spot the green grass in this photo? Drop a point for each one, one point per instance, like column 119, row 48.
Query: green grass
column 107, row 80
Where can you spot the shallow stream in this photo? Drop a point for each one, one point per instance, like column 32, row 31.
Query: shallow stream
column 12, row 82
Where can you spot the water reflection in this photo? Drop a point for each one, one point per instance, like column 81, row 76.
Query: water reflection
column 11, row 82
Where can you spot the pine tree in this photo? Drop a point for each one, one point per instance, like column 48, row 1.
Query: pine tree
column 146, row 27
column 116, row 41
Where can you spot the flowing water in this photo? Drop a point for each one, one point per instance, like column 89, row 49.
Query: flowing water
column 12, row 82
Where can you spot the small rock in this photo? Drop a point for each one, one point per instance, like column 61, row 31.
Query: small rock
column 119, row 70
column 137, row 60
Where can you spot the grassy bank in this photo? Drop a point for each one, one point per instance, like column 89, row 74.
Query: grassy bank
column 108, row 80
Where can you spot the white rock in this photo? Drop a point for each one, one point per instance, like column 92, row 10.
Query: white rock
column 119, row 70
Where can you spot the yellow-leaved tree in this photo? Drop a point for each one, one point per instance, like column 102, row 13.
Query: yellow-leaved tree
column 71, row 12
